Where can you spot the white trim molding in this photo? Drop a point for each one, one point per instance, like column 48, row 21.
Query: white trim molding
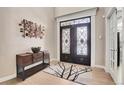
column 89, row 12
column 99, row 66
column 107, row 63
column 122, row 68
column 2, row 79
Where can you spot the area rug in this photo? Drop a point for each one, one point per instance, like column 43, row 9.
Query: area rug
column 67, row 71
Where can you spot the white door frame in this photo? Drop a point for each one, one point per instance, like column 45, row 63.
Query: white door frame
column 90, row 12
column 122, row 69
column 117, row 79
column 107, row 63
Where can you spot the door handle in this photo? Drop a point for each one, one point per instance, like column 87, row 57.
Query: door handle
column 113, row 49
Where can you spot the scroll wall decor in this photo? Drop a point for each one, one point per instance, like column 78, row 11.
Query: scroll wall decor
column 30, row 29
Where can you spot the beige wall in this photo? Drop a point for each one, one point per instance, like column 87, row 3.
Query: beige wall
column 100, row 30
column 100, row 37
column 11, row 41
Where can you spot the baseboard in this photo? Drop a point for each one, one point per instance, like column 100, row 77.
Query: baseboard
column 99, row 66
column 53, row 59
column 2, row 79
column 106, row 70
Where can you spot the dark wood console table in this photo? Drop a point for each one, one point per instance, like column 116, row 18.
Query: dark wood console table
column 27, row 59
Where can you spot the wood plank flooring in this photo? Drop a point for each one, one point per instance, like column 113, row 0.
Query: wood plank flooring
column 96, row 77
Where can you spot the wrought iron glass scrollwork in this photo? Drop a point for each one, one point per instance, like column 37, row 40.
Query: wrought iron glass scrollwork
column 82, row 40
column 66, row 41
column 76, row 21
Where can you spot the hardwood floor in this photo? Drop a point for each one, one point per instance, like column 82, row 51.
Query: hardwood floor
column 40, row 78
column 96, row 77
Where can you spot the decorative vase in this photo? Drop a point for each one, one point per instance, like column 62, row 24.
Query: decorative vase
column 35, row 49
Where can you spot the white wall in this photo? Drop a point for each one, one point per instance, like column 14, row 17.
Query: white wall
column 11, row 41
column 100, row 37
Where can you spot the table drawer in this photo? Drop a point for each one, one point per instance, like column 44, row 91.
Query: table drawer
column 37, row 57
column 24, row 60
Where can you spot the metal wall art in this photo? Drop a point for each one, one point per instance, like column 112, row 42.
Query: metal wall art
column 30, row 29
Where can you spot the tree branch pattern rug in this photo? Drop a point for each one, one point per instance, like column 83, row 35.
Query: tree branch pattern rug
column 68, row 71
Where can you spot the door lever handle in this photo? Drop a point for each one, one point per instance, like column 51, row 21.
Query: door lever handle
column 113, row 49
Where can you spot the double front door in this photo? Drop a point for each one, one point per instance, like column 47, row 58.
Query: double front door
column 75, row 41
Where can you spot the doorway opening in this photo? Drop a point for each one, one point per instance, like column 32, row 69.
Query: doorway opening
column 75, row 41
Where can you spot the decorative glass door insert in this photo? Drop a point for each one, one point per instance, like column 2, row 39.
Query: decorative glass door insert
column 66, row 41
column 82, row 40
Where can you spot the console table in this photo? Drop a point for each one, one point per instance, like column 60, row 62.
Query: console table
column 40, row 61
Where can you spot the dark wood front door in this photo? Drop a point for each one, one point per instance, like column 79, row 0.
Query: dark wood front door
column 75, row 41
